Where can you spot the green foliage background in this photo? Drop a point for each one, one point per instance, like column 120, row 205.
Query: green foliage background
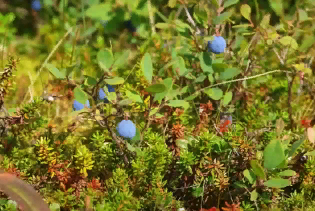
column 213, row 130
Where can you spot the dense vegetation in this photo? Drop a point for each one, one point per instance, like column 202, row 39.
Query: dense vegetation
column 157, row 105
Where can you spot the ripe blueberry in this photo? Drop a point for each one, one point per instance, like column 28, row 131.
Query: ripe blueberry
column 102, row 95
column 79, row 106
column 129, row 25
column 126, row 129
column 36, row 5
column 217, row 45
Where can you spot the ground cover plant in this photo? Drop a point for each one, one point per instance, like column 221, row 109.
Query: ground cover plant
column 157, row 105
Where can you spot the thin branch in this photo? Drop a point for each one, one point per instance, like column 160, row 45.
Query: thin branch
column 151, row 16
column 190, row 19
column 290, row 84
column 240, row 79
column 148, row 123
column 48, row 57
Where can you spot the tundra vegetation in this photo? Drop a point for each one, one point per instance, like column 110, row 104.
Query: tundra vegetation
column 164, row 105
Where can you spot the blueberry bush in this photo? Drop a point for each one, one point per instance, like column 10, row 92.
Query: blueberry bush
column 157, row 105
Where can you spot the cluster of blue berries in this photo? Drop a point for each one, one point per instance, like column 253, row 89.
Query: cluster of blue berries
column 217, row 45
column 101, row 96
column 36, row 5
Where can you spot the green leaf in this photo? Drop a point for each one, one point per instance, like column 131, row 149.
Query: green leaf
column 214, row 93
column 147, row 67
column 229, row 73
column 193, row 96
column 201, row 78
column 134, row 96
column 182, row 143
column 168, row 82
column 246, row 11
column 253, row 195
column 114, row 81
column 70, row 69
column 137, row 136
column 277, row 183
column 311, row 153
column 197, row 192
column 206, row 62
column 90, row 80
column 307, row 42
column 156, row 88
column 257, row 169
column 273, row 154
column 80, row 95
column 125, row 102
column 162, row 25
column 230, row 3
column 172, row 3
column 178, row 103
column 227, row 98
column 54, row 207
column 222, row 17
column 55, row 71
column 250, row 176
column 289, row 41
column 302, row 15
column 11, row 110
column 287, row 173
column 295, row 146
column 277, row 6
column 182, row 66
column 105, row 59
column 99, row 11
column 265, row 22
column 219, row 67
column 122, row 59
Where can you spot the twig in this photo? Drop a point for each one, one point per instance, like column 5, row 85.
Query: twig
column 279, row 57
column 151, row 17
column 240, row 79
column 48, row 57
column 290, row 84
column 190, row 19
column 148, row 123
column 117, row 141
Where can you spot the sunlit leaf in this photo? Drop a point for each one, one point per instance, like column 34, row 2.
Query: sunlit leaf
column 105, row 59
column 222, row 17
column 55, row 71
column 156, row 88
column 277, row 183
column 80, row 95
column 257, row 169
column 273, row 154
column 287, row 173
column 214, row 93
column 227, row 98
column 147, row 67
column 114, row 81
column 246, row 11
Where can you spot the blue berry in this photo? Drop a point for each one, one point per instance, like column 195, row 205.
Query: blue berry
column 79, row 106
column 129, row 25
column 126, row 129
column 217, row 45
column 36, row 5
column 102, row 95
